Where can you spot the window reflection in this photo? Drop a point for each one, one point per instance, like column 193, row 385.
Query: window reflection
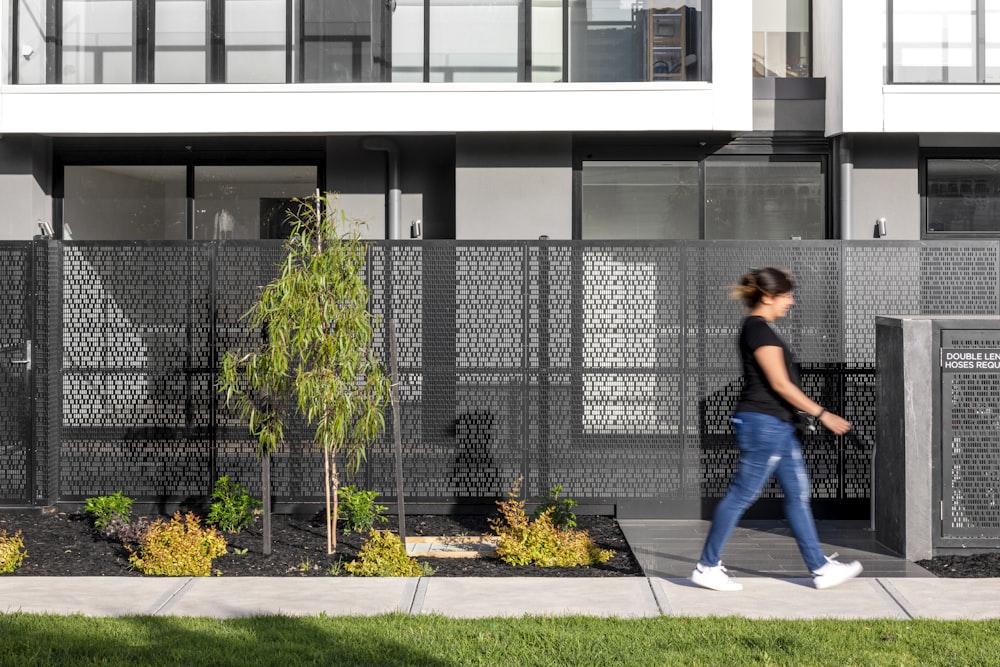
column 764, row 199
column 781, row 38
column 475, row 40
column 934, row 42
column 97, row 41
column 125, row 202
column 181, row 46
column 248, row 202
column 255, row 41
column 640, row 200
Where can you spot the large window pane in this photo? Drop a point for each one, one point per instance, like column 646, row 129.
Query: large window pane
column 255, row 41
column 29, row 52
column 992, row 37
column 934, row 42
column 764, row 199
column 659, row 40
column 125, row 202
column 337, row 42
column 97, row 41
column 408, row 41
column 181, row 52
column 963, row 196
column 475, row 40
column 640, row 200
column 248, row 202
column 546, row 40
column 781, row 38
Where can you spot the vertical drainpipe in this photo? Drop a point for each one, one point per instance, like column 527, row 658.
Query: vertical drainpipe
column 395, row 194
column 846, row 181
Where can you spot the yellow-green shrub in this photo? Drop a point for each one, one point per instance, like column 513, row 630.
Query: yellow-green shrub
column 178, row 548
column 384, row 555
column 539, row 542
column 12, row 551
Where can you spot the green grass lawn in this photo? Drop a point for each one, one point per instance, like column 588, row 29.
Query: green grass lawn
column 435, row 641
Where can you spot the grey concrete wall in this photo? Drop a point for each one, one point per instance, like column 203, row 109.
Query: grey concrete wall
column 903, row 486
column 513, row 187
column 24, row 174
column 885, row 185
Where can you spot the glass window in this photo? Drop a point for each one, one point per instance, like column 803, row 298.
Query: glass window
column 934, row 42
column 408, row 41
column 992, row 50
column 255, row 41
column 181, row 44
column 659, row 40
column 546, row 40
column 781, row 38
column 125, row 202
column 764, row 198
column 248, row 202
column 640, row 200
column 963, row 196
column 337, row 42
column 97, row 41
column 29, row 52
column 475, row 40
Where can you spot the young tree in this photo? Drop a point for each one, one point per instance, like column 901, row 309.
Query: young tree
column 317, row 358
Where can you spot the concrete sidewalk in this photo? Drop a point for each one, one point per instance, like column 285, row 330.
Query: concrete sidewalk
column 476, row 597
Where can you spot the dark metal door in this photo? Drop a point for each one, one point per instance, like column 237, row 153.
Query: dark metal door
column 16, row 423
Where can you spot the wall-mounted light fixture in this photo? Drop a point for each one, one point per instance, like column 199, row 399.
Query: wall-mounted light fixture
column 879, row 228
column 416, row 229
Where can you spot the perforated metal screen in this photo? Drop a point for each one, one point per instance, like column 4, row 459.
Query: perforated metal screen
column 609, row 368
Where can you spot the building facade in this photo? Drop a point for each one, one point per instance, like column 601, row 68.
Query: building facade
column 501, row 119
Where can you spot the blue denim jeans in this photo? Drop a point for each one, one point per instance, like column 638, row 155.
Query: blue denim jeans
column 768, row 446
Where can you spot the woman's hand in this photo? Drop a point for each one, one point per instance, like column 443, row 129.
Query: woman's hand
column 834, row 423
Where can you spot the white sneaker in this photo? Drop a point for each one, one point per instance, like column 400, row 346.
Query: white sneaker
column 835, row 573
column 716, row 578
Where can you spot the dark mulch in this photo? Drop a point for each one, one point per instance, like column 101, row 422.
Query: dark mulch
column 971, row 566
column 66, row 544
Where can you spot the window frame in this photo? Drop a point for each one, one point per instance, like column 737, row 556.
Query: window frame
column 923, row 186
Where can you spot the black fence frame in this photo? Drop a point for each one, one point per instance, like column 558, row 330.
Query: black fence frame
column 608, row 368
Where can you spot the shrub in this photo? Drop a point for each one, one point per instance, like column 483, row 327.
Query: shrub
column 232, row 508
column 12, row 551
column 540, row 542
column 561, row 511
column 384, row 555
column 178, row 548
column 129, row 533
column 104, row 509
column 358, row 510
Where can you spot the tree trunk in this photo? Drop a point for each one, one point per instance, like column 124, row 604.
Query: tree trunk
column 330, row 521
column 265, row 484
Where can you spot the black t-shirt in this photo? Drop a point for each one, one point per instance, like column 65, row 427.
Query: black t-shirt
column 757, row 395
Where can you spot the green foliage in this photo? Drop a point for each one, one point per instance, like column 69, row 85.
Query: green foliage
column 358, row 510
column 105, row 509
column 178, row 548
column 539, row 542
column 12, row 551
column 232, row 508
column 559, row 510
column 384, row 555
column 317, row 355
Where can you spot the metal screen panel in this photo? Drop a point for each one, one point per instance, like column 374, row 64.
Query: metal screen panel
column 970, row 438
column 15, row 418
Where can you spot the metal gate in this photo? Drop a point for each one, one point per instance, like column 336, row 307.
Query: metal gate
column 16, row 413
column 970, row 436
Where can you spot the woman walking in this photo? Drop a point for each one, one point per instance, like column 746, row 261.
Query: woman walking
column 764, row 423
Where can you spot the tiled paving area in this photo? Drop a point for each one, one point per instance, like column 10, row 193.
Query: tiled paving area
column 669, row 548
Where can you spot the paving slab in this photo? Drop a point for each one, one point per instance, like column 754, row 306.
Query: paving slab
column 779, row 598
column 949, row 599
column 231, row 597
column 90, row 596
column 478, row 597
